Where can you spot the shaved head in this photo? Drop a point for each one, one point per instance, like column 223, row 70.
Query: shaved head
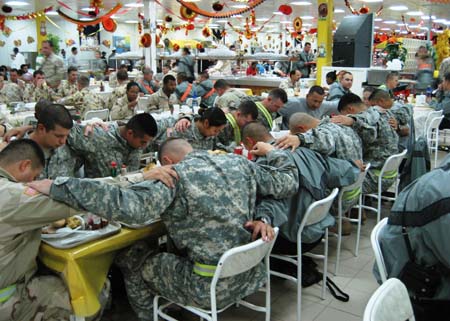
column 173, row 151
column 301, row 121
column 253, row 133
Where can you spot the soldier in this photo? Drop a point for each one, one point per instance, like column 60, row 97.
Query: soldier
column 227, row 98
column 69, row 86
column 13, row 90
column 202, row 134
column 313, row 105
column 52, row 65
column 205, row 89
column 124, row 107
column 184, row 88
column 379, row 139
column 113, row 81
column 165, row 97
column 443, row 101
column 121, row 144
column 268, row 108
column 38, row 89
column 24, row 211
column 120, row 90
column 84, row 99
column 206, row 214
column 391, row 83
column 290, row 84
column 322, row 136
column 345, row 83
column 305, row 61
column 147, row 85
column 186, row 64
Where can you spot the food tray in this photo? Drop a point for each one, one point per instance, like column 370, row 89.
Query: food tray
column 138, row 226
column 77, row 237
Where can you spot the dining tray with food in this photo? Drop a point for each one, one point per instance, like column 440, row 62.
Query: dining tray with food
column 78, row 229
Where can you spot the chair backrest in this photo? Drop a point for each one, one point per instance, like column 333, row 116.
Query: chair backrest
column 317, row 211
column 28, row 120
column 393, row 162
column 357, row 184
column 390, row 302
column 432, row 115
column 374, row 239
column 433, row 125
column 242, row 258
column 103, row 114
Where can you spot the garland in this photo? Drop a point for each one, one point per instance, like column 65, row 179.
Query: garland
column 191, row 6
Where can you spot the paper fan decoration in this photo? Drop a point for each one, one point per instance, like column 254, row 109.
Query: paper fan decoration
column 30, row 39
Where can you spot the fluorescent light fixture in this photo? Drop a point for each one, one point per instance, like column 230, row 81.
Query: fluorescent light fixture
column 371, row 1
column 85, row 19
column 307, row 17
column 390, row 22
column 51, row 13
column 377, row 19
column 376, row 27
column 237, row 16
column 131, row 21
column 414, row 13
column 87, row 9
column 423, row 28
column 447, row 23
column 262, row 19
column 221, row 21
column 239, row 6
column 17, row 3
column 400, row 24
column 339, row 10
column 285, row 22
column 385, row 29
column 191, row 0
column 213, row 25
column 428, row 17
column 134, row 5
column 439, row 20
column 277, row 13
column 398, row 8
column 397, row 30
column 404, row 32
column 301, row 3
column 307, row 24
column 157, row 20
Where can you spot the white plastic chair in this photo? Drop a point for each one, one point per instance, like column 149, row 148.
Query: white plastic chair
column 430, row 116
column 102, row 114
column 374, row 239
column 390, row 302
column 234, row 261
column 389, row 168
column 315, row 213
column 352, row 191
column 432, row 134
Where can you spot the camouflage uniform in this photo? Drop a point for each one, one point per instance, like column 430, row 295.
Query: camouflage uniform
column 118, row 92
column 64, row 162
column 203, row 216
column 228, row 138
column 112, row 82
column 380, row 142
column 336, row 92
column 66, row 89
column 48, row 154
column 160, row 101
column 287, row 85
column 230, row 99
column 101, row 149
column 84, row 100
column 403, row 113
column 53, row 68
column 194, row 137
column 12, row 92
column 204, row 88
column 120, row 109
column 22, row 215
column 34, row 94
column 265, row 117
column 333, row 140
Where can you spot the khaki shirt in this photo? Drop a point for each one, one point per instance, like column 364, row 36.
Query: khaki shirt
column 160, row 101
column 84, row 100
column 53, row 68
column 23, row 213
column 67, row 89
column 34, row 94
column 120, row 109
column 12, row 92
column 117, row 93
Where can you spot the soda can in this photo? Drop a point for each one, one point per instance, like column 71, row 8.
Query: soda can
column 238, row 150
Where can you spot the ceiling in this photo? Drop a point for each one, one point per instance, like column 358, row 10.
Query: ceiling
column 387, row 20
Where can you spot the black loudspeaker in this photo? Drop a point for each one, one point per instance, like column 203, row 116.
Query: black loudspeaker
column 90, row 31
column 352, row 42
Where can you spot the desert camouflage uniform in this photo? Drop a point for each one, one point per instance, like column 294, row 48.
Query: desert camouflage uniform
column 118, row 92
column 380, row 142
column 12, row 92
column 66, row 89
column 53, row 68
column 194, row 137
column 84, row 100
column 230, row 99
column 333, row 140
column 113, row 80
column 101, row 148
column 120, row 109
column 204, row 217
column 160, row 101
column 22, row 215
column 32, row 93
column 204, row 88
column 287, row 85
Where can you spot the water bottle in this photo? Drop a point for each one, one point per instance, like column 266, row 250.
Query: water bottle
column 429, row 92
column 194, row 106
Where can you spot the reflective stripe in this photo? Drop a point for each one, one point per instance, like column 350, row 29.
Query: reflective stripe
column 209, row 94
column 236, row 129
column 352, row 194
column 7, row 293
column 266, row 113
column 186, row 93
column 204, row 269
column 387, row 175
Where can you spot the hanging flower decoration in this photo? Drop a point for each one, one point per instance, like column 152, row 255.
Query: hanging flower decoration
column 6, row 9
column 146, row 40
column 285, row 9
column 298, row 24
column 395, row 50
column 93, row 21
column 362, row 10
column 168, row 19
column 176, row 47
column 193, row 7
column 199, row 46
column 70, row 42
column 109, row 25
column 206, row 32
column 253, row 17
column 106, row 43
column 217, row 6
column 188, row 13
column 30, row 39
column 97, row 5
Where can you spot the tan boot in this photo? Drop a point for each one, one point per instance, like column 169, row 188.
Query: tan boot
column 346, row 228
column 354, row 214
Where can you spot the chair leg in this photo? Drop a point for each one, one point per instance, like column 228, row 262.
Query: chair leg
column 339, row 240
column 436, row 147
column 268, row 303
column 299, row 281
column 155, row 308
column 325, row 266
column 379, row 205
column 358, row 232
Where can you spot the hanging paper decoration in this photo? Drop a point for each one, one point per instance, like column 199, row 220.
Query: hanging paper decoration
column 17, row 43
column 139, row 27
column 199, row 46
column 146, row 40
column 217, row 6
column 158, row 39
column 188, row 13
column 28, row 16
column 206, row 32
column 30, row 39
column 168, row 19
column 93, row 21
column 7, row 31
column 253, row 18
column 109, row 24
column 70, row 42
column 106, row 43
column 43, row 29
column 176, row 47
column 298, row 23
column 285, row 9
column 362, row 10
column 96, row 4
column 193, row 7
column 6, row 9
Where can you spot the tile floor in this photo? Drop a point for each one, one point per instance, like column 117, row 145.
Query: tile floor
column 355, row 278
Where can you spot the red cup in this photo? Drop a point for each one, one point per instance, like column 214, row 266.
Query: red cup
column 238, row 150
